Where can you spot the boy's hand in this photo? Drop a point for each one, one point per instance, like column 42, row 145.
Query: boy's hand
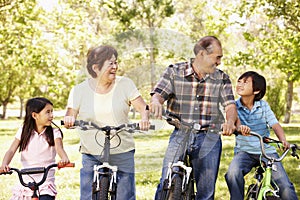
column 244, row 130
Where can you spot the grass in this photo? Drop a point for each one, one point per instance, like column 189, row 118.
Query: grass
column 150, row 148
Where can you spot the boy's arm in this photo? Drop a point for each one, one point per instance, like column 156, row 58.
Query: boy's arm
column 280, row 135
column 60, row 151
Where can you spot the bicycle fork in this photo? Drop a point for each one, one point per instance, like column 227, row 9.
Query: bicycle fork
column 266, row 188
column 105, row 169
column 186, row 173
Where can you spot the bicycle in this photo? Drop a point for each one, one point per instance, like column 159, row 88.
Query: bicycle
column 179, row 183
column 105, row 175
column 265, row 188
column 34, row 186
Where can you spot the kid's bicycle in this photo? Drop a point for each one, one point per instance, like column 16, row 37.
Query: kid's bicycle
column 34, row 186
column 105, row 175
column 179, row 183
column 265, row 188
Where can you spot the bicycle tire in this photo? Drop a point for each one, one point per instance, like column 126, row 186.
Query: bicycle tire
column 104, row 186
column 95, row 192
column 251, row 192
column 176, row 188
column 165, row 192
column 189, row 194
column 272, row 198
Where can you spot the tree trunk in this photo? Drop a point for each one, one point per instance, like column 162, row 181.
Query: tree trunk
column 21, row 107
column 4, row 107
column 152, row 58
column 289, row 100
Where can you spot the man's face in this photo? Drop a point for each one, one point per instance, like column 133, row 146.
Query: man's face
column 210, row 61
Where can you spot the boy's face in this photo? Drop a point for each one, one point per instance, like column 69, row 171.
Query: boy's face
column 244, row 87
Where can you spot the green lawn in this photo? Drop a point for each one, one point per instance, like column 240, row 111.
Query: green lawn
column 150, row 149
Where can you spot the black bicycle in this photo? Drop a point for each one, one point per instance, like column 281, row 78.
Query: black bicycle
column 179, row 183
column 34, row 186
column 105, row 175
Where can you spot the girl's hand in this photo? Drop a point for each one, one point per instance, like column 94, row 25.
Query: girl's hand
column 64, row 161
column 4, row 168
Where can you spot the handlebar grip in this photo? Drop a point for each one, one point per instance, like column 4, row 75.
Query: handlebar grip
column 4, row 173
column 59, row 165
column 152, row 127
column 76, row 123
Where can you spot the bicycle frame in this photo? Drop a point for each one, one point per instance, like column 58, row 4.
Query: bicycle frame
column 105, row 175
column 179, row 182
column 34, row 186
column 265, row 186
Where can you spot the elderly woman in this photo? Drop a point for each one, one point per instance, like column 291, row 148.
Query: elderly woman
column 105, row 99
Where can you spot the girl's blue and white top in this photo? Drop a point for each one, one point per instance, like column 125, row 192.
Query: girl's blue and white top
column 260, row 119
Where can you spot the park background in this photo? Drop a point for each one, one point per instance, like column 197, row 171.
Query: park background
column 43, row 46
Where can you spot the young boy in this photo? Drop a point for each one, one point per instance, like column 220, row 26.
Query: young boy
column 258, row 116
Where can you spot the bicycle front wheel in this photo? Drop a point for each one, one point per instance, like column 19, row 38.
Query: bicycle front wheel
column 102, row 193
column 189, row 194
column 176, row 188
column 252, row 192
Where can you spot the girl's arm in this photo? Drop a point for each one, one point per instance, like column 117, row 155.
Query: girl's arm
column 280, row 135
column 9, row 155
column 140, row 105
column 60, row 151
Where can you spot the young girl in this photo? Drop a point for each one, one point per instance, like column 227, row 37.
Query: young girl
column 38, row 143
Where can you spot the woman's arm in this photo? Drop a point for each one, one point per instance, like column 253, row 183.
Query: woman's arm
column 70, row 117
column 9, row 155
column 140, row 105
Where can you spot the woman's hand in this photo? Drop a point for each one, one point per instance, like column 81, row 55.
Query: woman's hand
column 69, row 121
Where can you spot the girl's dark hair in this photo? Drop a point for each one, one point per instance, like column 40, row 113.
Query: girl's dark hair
column 35, row 105
column 98, row 56
column 258, row 83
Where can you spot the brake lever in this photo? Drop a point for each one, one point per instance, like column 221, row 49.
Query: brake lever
column 294, row 154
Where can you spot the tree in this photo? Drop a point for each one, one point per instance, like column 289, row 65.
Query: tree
column 140, row 15
column 275, row 40
column 21, row 51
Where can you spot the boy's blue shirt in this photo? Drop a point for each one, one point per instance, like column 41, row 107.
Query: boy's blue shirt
column 260, row 118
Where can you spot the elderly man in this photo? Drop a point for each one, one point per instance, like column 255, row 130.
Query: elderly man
column 195, row 91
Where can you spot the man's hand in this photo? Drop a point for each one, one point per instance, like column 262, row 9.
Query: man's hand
column 228, row 128
column 156, row 106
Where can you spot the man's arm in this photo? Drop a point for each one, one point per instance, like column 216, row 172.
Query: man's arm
column 231, row 118
column 156, row 105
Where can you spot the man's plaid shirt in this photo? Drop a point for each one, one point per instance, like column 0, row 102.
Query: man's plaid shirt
column 192, row 99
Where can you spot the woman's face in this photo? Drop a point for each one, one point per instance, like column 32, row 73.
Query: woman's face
column 109, row 69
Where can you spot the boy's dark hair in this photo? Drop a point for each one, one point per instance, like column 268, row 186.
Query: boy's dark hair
column 258, row 83
column 35, row 105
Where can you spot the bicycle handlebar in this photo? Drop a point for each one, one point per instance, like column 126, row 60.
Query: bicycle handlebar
column 82, row 124
column 191, row 126
column 36, row 170
column 263, row 140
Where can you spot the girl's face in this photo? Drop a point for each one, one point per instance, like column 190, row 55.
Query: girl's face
column 244, row 87
column 45, row 117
